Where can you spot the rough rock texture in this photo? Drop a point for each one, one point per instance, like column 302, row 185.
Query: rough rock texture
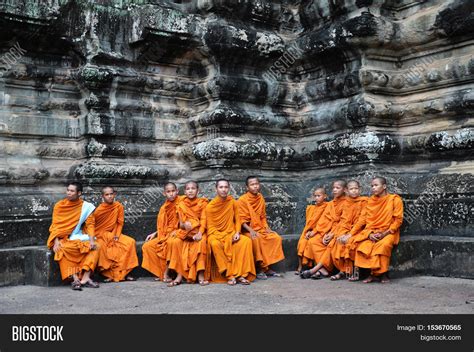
column 135, row 93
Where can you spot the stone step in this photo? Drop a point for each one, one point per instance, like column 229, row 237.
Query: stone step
column 415, row 255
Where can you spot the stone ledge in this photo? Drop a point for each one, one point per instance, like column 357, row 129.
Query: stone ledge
column 415, row 255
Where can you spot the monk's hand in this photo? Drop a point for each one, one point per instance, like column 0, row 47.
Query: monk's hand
column 57, row 245
column 327, row 238
column 308, row 235
column 150, row 236
column 92, row 243
column 253, row 233
column 375, row 237
column 188, row 226
column 236, row 237
column 116, row 237
column 198, row 236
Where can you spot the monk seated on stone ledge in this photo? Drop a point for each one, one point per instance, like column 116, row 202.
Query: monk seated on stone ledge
column 188, row 248
column 376, row 232
column 155, row 248
column 266, row 244
column 229, row 255
column 72, row 238
column 313, row 214
column 117, row 253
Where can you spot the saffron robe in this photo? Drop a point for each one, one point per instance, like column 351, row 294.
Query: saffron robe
column 155, row 251
column 267, row 247
column 225, row 259
column 187, row 256
column 75, row 256
column 381, row 214
column 116, row 257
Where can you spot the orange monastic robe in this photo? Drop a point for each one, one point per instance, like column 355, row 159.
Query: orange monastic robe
column 155, row 251
column 328, row 222
column 226, row 259
column 335, row 255
column 267, row 247
column 187, row 256
column 117, row 257
column 74, row 256
column 381, row 214
column 313, row 213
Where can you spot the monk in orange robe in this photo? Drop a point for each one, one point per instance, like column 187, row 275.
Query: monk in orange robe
column 155, row 248
column 188, row 249
column 118, row 255
column 313, row 213
column 377, row 231
column 230, row 255
column 72, row 238
column 325, row 231
column 334, row 256
column 266, row 244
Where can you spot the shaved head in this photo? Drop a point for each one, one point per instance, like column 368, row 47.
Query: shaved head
column 382, row 180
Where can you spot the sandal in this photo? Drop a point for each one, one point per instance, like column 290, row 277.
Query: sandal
column 174, row 283
column 318, row 276
column 91, row 284
column 243, row 281
column 271, row 273
column 130, row 278
column 306, row 274
column 232, row 282
column 262, row 276
column 370, row 279
column 107, row 280
column 167, row 280
column 384, row 279
column 203, row 282
column 76, row 285
column 338, row 276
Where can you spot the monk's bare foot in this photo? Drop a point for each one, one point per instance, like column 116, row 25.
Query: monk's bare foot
column 130, row 278
column 384, row 279
column 232, row 282
column 272, row 273
column 108, row 280
column 167, row 279
column 370, row 279
column 324, row 272
column 338, row 276
column 298, row 270
column 157, row 279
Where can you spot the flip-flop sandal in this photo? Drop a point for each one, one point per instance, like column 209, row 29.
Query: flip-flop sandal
column 243, row 281
column 167, row 280
column 157, row 279
column 203, row 282
column 173, row 283
column 232, row 282
column 107, row 281
column 273, row 274
column 76, row 285
column 297, row 272
column 91, row 284
column 262, row 276
column 318, row 276
column 338, row 276
column 306, row 274
column 130, row 278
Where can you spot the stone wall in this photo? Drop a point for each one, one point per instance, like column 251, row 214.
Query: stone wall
column 136, row 93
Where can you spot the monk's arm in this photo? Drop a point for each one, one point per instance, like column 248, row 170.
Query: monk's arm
column 360, row 224
column 120, row 221
column 90, row 229
column 397, row 217
column 203, row 226
column 237, row 219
